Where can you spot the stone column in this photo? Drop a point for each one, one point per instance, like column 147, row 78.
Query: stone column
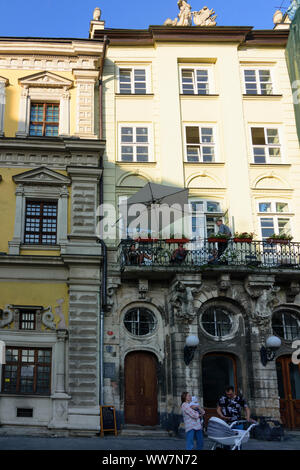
column 63, row 217
column 14, row 245
column 3, row 84
column 24, row 114
column 64, row 114
column 262, row 379
column 60, row 398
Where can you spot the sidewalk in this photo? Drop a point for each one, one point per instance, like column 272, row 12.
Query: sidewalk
column 290, row 442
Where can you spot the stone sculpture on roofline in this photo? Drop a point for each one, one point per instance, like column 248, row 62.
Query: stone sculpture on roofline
column 203, row 17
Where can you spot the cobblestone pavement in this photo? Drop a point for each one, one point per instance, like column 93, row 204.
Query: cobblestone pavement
column 290, row 442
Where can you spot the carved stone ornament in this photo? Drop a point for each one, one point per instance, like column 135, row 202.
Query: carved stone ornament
column 264, row 306
column 48, row 319
column 292, row 291
column 111, row 294
column 182, row 302
column 203, row 17
column 7, row 316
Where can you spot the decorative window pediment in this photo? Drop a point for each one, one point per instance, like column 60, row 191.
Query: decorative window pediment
column 40, row 176
column 45, row 79
column 45, row 87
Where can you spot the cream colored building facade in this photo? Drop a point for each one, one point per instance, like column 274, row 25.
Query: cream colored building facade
column 214, row 106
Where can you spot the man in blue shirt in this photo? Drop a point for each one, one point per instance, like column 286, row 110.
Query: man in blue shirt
column 223, row 229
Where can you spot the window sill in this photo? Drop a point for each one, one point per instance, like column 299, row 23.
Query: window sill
column 205, row 163
column 268, row 97
column 120, row 162
column 134, row 95
column 208, row 96
column 257, row 165
column 27, row 246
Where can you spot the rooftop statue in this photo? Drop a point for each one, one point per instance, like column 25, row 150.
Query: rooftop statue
column 202, row 17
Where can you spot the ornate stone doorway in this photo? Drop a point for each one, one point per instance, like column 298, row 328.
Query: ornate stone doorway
column 218, row 371
column 288, row 375
column 141, row 389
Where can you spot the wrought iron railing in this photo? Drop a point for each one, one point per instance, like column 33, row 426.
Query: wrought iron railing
column 264, row 254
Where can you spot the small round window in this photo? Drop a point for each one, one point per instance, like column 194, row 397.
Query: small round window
column 217, row 321
column 286, row 325
column 140, row 321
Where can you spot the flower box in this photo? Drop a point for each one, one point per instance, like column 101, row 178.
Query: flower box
column 177, row 240
column 282, row 241
column 242, row 240
column 146, row 240
column 217, row 239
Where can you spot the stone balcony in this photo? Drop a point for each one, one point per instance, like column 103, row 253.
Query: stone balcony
column 156, row 259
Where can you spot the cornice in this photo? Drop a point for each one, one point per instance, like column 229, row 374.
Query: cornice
column 228, row 34
column 56, row 144
column 53, row 47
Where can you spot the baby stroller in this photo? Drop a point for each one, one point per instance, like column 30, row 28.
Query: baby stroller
column 222, row 434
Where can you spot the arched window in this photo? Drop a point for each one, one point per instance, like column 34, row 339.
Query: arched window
column 217, row 321
column 286, row 325
column 140, row 321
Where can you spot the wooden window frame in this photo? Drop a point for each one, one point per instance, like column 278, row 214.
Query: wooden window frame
column 200, row 145
column 44, row 123
column 21, row 364
column 26, row 311
column 195, row 81
column 136, row 144
column 258, row 82
column 131, row 69
column 40, row 218
column 268, row 159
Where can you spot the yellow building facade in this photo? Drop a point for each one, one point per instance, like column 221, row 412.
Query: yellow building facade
column 50, row 263
column 209, row 109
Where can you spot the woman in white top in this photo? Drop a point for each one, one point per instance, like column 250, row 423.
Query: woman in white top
column 192, row 423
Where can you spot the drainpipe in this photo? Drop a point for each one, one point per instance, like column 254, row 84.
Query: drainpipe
column 103, row 297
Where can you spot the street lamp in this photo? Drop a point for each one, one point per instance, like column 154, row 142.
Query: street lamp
column 190, row 347
column 267, row 353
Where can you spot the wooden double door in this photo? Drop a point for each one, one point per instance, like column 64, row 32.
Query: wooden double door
column 141, row 389
column 288, row 376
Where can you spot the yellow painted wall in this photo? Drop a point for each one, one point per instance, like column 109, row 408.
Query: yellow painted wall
column 233, row 183
column 8, row 209
column 13, row 95
column 35, row 294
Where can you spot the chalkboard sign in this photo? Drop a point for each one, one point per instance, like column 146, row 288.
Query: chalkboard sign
column 108, row 420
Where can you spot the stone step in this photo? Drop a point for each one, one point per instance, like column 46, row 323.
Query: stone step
column 132, row 430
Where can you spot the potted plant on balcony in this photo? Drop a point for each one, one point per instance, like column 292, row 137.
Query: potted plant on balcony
column 219, row 237
column 282, row 238
column 243, row 237
column 184, row 239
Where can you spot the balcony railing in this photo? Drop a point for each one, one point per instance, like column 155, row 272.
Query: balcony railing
column 205, row 253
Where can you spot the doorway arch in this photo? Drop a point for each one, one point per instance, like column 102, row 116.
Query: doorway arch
column 288, row 378
column 141, row 388
column 218, row 371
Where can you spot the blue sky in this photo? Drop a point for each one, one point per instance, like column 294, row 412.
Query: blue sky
column 69, row 18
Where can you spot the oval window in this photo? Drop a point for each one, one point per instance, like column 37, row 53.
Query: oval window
column 216, row 321
column 140, row 321
column 286, row 325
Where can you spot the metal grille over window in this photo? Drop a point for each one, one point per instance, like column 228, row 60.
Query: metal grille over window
column 217, row 321
column 286, row 325
column 27, row 371
column 140, row 321
column 27, row 320
column 40, row 223
column 44, row 119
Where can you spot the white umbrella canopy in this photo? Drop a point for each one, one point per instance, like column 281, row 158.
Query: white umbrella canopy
column 155, row 198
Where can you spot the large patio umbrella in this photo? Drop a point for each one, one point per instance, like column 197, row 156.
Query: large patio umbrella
column 153, row 196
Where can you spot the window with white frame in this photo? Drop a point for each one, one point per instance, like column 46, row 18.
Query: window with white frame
column 204, row 214
column 258, row 81
column 274, row 222
column 195, row 81
column 134, row 143
column 134, row 80
column 200, row 144
column 266, row 145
